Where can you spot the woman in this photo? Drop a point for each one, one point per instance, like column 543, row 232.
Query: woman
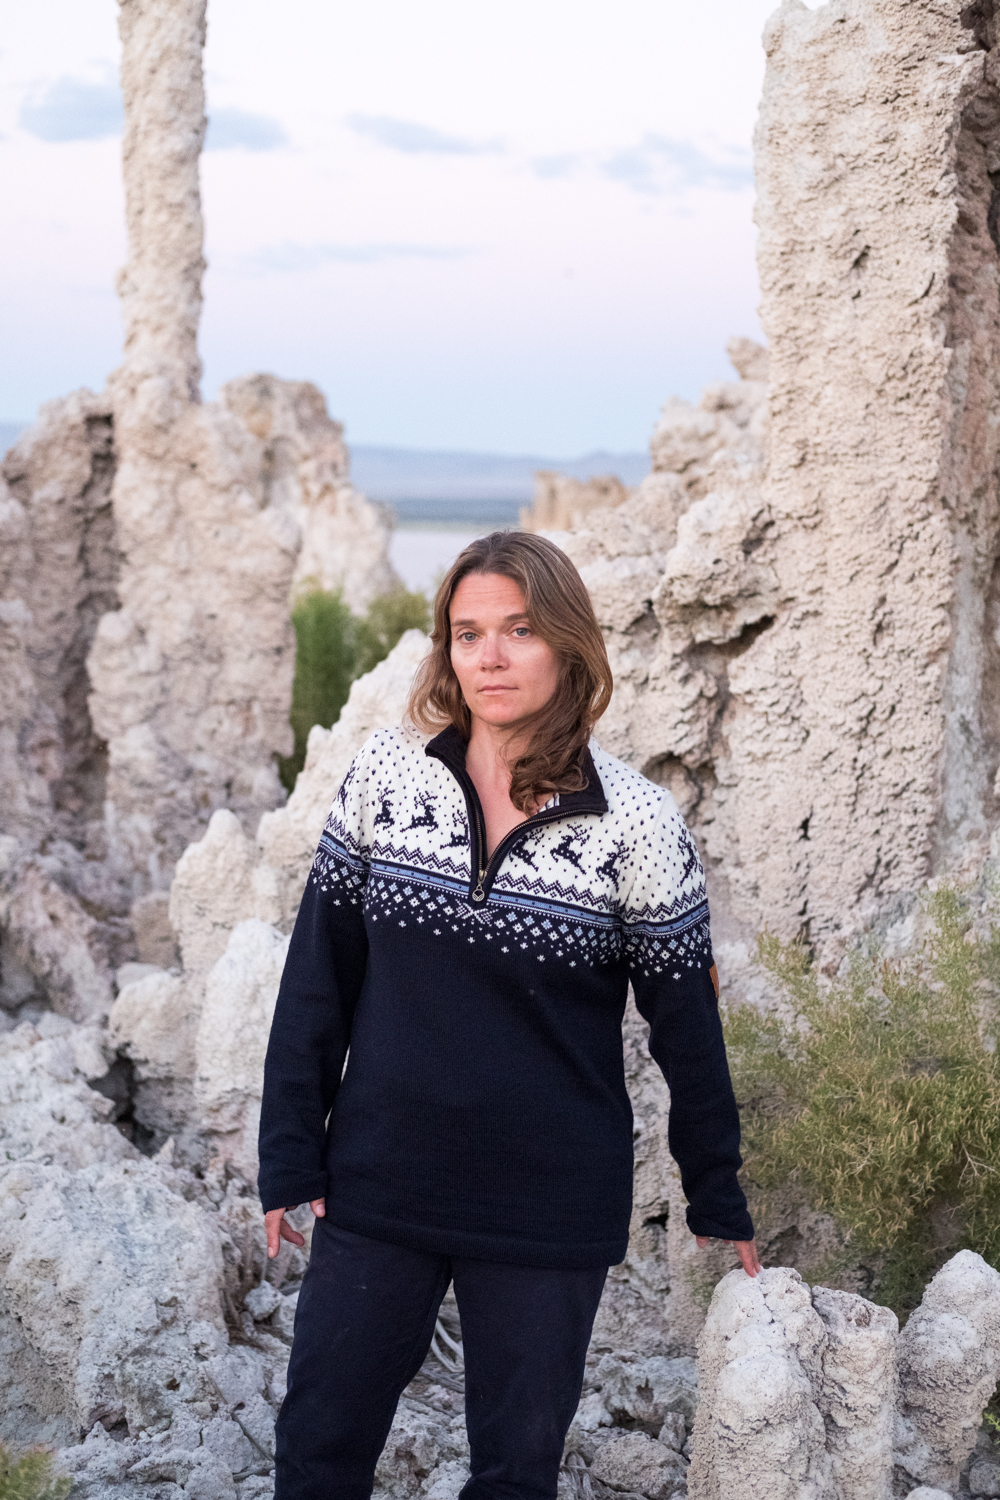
column 478, row 904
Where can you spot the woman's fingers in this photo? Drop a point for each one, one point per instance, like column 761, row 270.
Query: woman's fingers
column 278, row 1229
column 273, row 1224
column 291, row 1235
column 747, row 1252
column 745, row 1249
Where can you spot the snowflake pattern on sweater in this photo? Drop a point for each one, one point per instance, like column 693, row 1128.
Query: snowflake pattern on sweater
column 582, row 891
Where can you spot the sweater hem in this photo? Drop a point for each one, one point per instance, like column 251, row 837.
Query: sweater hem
column 499, row 1249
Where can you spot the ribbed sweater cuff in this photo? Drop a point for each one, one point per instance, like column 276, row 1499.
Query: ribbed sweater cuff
column 741, row 1227
column 288, row 1190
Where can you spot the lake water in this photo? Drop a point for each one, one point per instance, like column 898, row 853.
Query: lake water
column 422, row 555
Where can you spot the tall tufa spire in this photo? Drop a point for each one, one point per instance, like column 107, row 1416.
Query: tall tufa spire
column 160, row 284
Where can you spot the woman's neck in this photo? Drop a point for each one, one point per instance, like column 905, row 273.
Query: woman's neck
column 487, row 760
column 490, row 751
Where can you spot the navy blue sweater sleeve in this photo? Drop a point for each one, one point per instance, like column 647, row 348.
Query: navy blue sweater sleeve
column 670, row 962
column 311, row 1029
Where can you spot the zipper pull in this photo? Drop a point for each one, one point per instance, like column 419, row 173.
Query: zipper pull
column 479, row 894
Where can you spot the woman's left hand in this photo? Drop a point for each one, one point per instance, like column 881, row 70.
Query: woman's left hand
column 745, row 1249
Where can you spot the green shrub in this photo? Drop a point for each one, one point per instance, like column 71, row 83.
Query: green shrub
column 332, row 648
column 30, row 1477
column 881, row 1099
column 389, row 617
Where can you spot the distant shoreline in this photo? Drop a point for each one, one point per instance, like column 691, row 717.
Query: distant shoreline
column 403, row 477
column 436, row 514
column 456, row 527
column 453, row 490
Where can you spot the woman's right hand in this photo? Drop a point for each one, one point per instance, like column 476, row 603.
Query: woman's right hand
column 279, row 1229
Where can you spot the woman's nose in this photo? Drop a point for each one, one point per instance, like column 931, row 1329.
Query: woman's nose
column 494, row 654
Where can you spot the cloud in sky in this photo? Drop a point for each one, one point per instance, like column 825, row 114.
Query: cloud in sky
column 416, row 267
column 229, row 128
column 290, row 257
column 661, row 165
column 658, row 165
column 72, row 109
column 555, row 166
column 406, row 135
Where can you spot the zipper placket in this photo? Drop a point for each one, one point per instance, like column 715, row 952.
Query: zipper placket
column 504, row 846
column 477, row 833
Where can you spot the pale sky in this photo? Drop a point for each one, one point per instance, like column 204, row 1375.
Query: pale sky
column 510, row 227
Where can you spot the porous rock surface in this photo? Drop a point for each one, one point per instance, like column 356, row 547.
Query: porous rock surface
column 149, row 548
column 115, row 1273
column 185, row 703
column 817, row 1394
column 63, row 927
column 949, row 1358
column 305, row 469
column 192, row 673
column 636, row 1463
column 800, row 600
column 759, row 1362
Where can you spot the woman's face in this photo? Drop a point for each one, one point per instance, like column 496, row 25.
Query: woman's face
column 505, row 670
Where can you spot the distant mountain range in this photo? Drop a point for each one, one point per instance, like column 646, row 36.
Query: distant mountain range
column 425, row 474
column 441, row 487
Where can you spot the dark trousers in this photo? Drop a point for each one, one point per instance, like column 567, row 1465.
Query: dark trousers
column 364, row 1323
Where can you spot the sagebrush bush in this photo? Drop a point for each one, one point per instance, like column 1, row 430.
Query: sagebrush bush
column 30, row 1477
column 332, row 648
column 882, row 1097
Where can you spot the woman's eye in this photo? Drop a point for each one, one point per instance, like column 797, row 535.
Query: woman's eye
column 522, row 631
column 467, row 636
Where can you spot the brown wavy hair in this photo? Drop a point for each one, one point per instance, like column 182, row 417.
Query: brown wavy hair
column 560, row 612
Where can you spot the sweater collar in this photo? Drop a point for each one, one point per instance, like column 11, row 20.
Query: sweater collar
column 449, row 746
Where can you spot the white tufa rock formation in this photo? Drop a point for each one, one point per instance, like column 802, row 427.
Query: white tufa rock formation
column 192, row 674
column 149, row 546
column 949, row 1359
column 800, row 600
column 817, row 1396
column 674, row 579
column 561, row 502
column 114, row 1269
column 305, row 470
column 58, row 575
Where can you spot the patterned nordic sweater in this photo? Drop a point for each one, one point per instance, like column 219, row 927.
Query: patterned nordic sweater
column 483, row 1109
